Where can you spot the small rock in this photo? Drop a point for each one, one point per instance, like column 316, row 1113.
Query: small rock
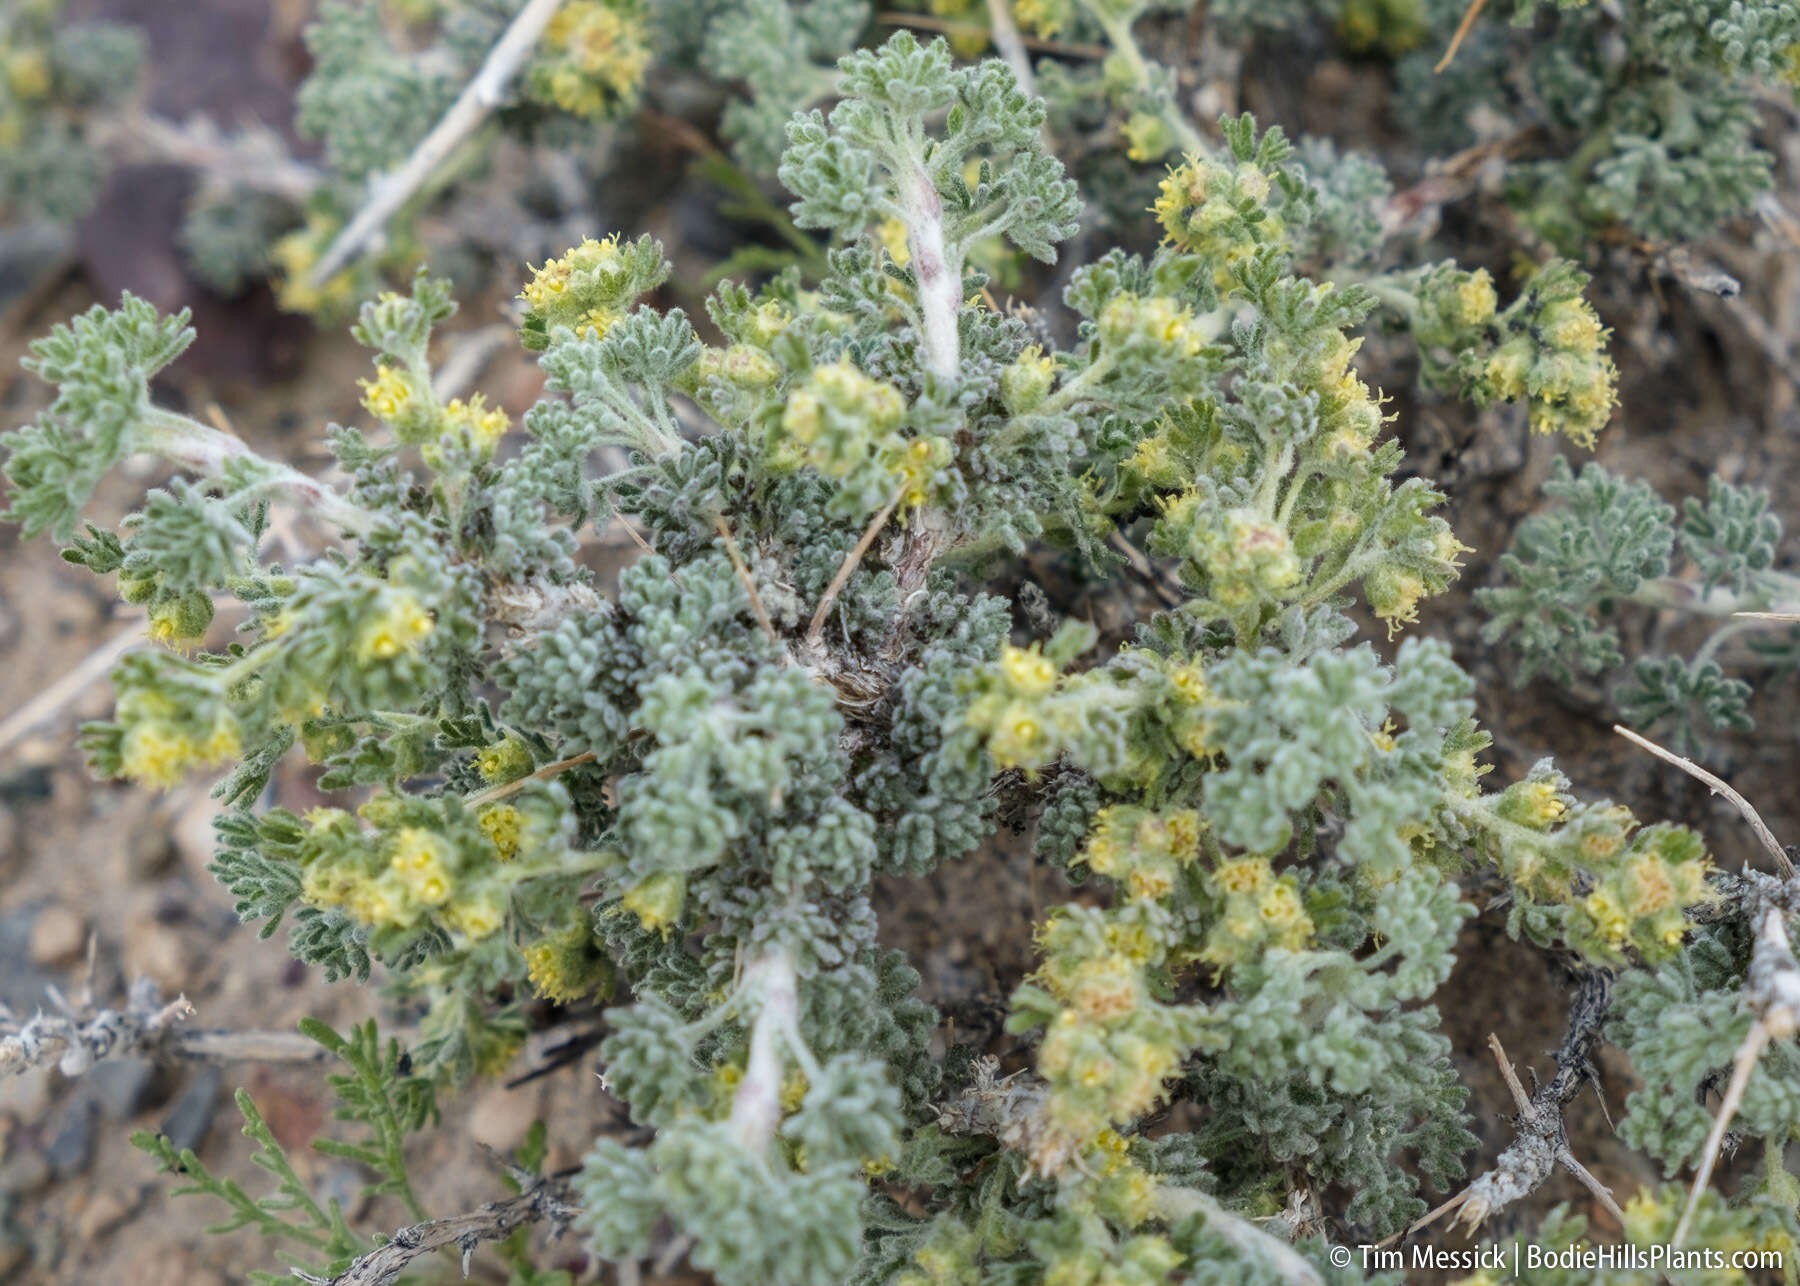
column 13, row 1252
column 26, row 1097
column 59, row 936
column 104, row 1213
column 24, row 1172
column 157, row 951
column 191, row 1117
column 123, row 1086
column 500, row 1117
column 72, row 1149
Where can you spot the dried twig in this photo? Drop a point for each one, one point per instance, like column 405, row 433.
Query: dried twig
column 816, row 628
column 549, row 1200
column 79, row 1034
column 255, row 157
column 1463, row 29
column 1718, row 787
column 1146, row 571
column 91, row 669
column 493, row 793
column 749, row 581
column 1773, row 990
column 479, row 97
column 1543, row 1140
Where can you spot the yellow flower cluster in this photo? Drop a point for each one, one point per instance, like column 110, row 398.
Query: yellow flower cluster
column 28, row 74
column 916, row 467
column 160, row 752
column 846, row 424
column 568, row 966
column 1026, row 382
column 588, row 289
column 1259, row 910
column 1011, row 713
column 743, row 365
column 658, row 901
column 595, row 54
column 1143, row 851
column 1203, row 206
column 397, row 881
column 179, row 618
column 1155, row 320
column 476, row 423
column 401, row 624
column 1110, row 1047
column 506, row 760
column 389, row 395
column 1043, row 18
column 1243, row 556
column 504, row 826
column 294, row 256
column 1568, row 380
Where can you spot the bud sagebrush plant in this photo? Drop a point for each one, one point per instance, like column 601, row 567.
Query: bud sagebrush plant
column 675, row 798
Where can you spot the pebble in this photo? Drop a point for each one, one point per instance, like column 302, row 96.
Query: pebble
column 72, row 1150
column 26, row 1097
column 124, row 1086
column 59, row 936
column 101, row 1215
column 500, row 1117
column 158, row 951
column 24, row 1172
column 192, row 1116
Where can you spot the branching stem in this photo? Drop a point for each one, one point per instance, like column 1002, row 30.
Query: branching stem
column 479, row 98
column 815, row 629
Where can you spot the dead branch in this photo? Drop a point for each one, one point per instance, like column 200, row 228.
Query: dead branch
column 1718, row 787
column 1773, row 992
column 78, row 1034
column 548, row 1200
column 1543, row 1141
column 479, row 98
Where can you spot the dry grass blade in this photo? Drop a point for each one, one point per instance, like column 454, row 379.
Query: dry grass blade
column 1718, row 787
column 1463, row 29
column 479, row 98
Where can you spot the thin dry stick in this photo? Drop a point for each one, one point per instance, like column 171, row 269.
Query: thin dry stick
column 1774, row 989
column 1718, row 787
column 1542, row 1143
column 544, row 1200
column 1462, row 32
column 493, row 793
column 1529, row 1111
column 743, row 571
column 1788, row 617
column 1005, row 34
column 91, row 670
column 479, row 97
column 1145, row 569
column 816, row 627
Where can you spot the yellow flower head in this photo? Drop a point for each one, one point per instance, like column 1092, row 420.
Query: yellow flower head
column 658, row 901
column 388, row 395
column 1027, row 671
column 504, row 826
column 401, row 625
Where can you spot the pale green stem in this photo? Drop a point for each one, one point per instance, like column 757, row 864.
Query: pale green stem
column 1119, row 34
column 205, row 450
